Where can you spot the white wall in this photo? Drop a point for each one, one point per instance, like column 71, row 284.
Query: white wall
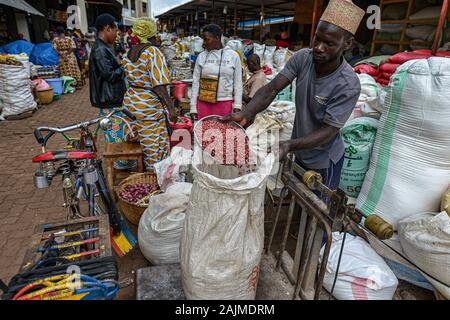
column 83, row 16
column 22, row 25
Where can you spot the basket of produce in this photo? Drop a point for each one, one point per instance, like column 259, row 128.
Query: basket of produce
column 45, row 96
column 134, row 194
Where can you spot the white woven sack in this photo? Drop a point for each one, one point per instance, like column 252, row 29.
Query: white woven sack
column 160, row 226
column 15, row 89
column 363, row 274
column 259, row 50
column 410, row 164
column 424, row 33
column 268, row 56
column 425, row 239
column 223, row 235
column 279, row 58
column 426, row 13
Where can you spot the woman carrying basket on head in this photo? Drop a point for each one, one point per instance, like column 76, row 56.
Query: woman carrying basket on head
column 217, row 84
column 147, row 98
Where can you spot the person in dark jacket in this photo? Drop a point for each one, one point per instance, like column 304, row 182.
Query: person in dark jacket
column 107, row 79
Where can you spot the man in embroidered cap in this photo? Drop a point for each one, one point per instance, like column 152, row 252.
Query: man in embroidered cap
column 327, row 90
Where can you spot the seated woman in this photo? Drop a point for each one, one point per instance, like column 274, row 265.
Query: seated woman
column 147, row 98
column 217, row 84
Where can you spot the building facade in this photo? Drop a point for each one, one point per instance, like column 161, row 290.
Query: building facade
column 134, row 9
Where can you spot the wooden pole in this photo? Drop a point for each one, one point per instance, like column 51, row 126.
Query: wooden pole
column 235, row 18
column 313, row 24
column 261, row 23
column 443, row 16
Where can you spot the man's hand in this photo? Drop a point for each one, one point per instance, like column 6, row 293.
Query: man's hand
column 283, row 150
column 241, row 117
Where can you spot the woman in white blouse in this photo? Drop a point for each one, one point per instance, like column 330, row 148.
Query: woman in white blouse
column 217, row 84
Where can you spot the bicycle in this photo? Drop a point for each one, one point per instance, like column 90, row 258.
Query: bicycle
column 84, row 186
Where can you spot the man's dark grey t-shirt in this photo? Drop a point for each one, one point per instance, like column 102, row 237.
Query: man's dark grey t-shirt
column 327, row 100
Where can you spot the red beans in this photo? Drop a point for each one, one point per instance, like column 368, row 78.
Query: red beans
column 134, row 193
column 226, row 143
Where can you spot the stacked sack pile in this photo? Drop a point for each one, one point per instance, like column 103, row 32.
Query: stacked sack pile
column 418, row 33
column 409, row 168
column 383, row 73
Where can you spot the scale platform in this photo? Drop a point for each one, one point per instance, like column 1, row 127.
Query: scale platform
column 164, row 282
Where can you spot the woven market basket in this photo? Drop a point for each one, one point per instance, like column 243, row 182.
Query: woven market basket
column 45, row 96
column 130, row 210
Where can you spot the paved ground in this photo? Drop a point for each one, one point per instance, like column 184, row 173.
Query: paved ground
column 22, row 206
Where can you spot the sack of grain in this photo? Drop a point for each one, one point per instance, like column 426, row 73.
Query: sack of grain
column 410, row 165
column 223, row 236
column 425, row 239
column 358, row 136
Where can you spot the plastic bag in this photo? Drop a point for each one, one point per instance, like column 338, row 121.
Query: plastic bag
column 363, row 274
column 160, row 226
column 172, row 168
column 43, row 54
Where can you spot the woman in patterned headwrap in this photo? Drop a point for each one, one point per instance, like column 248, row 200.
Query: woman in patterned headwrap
column 67, row 62
column 147, row 98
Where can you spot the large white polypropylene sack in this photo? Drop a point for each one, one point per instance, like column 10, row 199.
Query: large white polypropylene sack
column 169, row 52
column 283, row 111
column 369, row 98
column 223, row 235
column 15, row 89
column 279, row 58
column 259, row 50
column 160, row 226
column 425, row 239
column 268, row 56
column 424, row 33
column 363, row 274
column 236, row 45
column 196, row 45
column 410, row 164
column 358, row 136
column 426, row 13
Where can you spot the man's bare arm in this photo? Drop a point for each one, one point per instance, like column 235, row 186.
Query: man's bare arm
column 315, row 139
column 262, row 99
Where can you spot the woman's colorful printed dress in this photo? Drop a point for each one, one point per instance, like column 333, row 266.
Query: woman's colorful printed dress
column 150, row 70
column 67, row 63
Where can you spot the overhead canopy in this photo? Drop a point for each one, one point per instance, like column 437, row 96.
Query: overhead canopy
column 248, row 9
column 21, row 5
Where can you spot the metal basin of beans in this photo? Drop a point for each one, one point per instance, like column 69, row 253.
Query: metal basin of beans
column 227, row 143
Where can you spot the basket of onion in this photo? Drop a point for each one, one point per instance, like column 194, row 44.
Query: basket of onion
column 134, row 194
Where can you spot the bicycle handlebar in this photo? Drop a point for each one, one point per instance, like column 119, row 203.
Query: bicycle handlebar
column 42, row 140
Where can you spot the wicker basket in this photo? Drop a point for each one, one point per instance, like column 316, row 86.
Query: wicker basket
column 45, row 96
column 130, row 210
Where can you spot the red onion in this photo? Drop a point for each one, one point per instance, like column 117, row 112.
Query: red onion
column 134, row 193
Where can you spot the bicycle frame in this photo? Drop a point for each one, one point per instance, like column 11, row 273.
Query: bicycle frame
column 81, row 164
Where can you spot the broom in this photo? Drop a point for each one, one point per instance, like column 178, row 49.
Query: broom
column 122, row 240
